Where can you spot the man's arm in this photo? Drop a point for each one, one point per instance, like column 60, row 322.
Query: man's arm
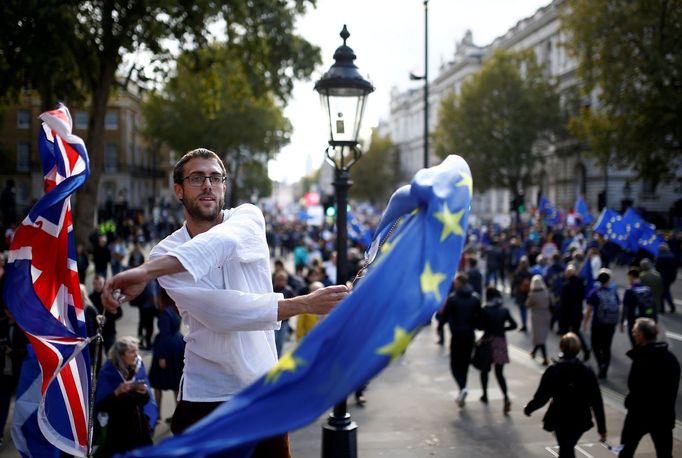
column 131, row 283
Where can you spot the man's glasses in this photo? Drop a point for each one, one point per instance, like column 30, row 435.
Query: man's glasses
column 196, row 179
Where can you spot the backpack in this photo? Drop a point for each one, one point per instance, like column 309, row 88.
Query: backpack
column 645, row 302
column 608, row 311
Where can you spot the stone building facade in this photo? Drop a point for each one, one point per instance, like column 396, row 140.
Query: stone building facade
column 565, row 172
column 131, row 172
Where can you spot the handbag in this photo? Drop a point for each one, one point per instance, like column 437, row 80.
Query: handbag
column 482, row 358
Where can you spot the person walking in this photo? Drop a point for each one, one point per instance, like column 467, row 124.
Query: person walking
column 648, row 276
column 168, row 351
column 475, row 277
column 638, row 302
column 573, row 392
column 539, row 304
column 652, row 390
column 461, row 311
column 109, row 328
column 519, row 290
column 571, row 300
column 603, row 311
column 666, row 265
column 495, row 321
column 216, row 268
column 280, row 285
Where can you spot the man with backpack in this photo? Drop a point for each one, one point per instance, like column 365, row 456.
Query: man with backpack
column 638, row 302
column 603, row 307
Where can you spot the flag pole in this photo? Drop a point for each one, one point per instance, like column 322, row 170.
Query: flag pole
column 93, row 382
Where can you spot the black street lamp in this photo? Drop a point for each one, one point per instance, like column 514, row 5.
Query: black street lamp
column 343, row 93
column 425, row 77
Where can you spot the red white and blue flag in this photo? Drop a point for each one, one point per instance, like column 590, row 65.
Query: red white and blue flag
column 42, row 288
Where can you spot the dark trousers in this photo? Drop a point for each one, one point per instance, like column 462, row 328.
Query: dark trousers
column 461, row 348
column 635, row 428
column 187, row 413
column 145, row 327
column 602, row 337
column 567, row 440
column 499, row 375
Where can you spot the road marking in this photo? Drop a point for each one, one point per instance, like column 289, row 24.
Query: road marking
column 673, row 335
column 581, row 450
column 551, row 450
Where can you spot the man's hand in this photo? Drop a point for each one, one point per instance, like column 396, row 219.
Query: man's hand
column 323, row 300
column 123, row 287
column 130, row 283
column 319, row 302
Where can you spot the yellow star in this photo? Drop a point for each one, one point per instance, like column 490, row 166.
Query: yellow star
column 286, row 363
column 401, row 339
column 429, row 281
column 451, row 222
column 468, row 182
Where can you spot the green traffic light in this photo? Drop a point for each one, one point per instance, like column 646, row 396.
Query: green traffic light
column 331, row 211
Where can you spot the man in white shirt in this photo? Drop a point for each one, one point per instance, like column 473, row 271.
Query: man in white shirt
column 217, row 270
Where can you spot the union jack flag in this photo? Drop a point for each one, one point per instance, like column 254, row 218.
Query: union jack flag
column 42, row 288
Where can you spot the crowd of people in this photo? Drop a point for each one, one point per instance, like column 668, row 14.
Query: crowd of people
column 563, row 279
column 556, row 280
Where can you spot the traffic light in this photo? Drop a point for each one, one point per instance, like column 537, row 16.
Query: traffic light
column 329, row 206
column 518, row 204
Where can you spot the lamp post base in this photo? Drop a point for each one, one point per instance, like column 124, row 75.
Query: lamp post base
column 339, row 438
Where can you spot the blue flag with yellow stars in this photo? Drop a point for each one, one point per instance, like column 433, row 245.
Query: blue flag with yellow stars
column 634, row 225
column 649, row 240
column 610, row 224
column 404, row 286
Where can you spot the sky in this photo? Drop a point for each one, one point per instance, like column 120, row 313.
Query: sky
column 388, row 39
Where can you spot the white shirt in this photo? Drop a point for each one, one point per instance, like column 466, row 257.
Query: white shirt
column 226, row 300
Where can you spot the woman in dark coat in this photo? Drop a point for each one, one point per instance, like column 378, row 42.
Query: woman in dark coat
column 495, row 321
column 575, row 397
column 168, row 350
column 125, row 411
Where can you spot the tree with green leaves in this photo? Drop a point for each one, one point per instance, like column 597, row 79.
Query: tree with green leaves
column 377, row 174
column 94, row 36
column 210, row 102
column 500, row 120
column 629, row 56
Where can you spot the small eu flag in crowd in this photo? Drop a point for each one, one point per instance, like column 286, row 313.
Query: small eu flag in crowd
column 371, row 328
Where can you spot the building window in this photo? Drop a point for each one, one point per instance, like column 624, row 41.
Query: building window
column 23, row 119
column 580, row 173
column 111, row 157
column 81, row 120
column 111, row 120
column 648, row 187
column 23, row 156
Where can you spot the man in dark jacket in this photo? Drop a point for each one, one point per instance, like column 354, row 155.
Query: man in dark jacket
column 638, row 302
column 571, row 298
column 653, row 383
column 667, row 267
column 575, row 397
column 475, row 276
column 461, row 312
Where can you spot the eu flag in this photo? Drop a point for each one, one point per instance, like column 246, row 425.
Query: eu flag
column 551, row 215
column 610, row 225
column 649, row 240
column 583, row 210
column 634, row 224
column 372, row 327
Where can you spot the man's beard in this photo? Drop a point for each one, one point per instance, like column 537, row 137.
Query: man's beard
column 198, row 214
